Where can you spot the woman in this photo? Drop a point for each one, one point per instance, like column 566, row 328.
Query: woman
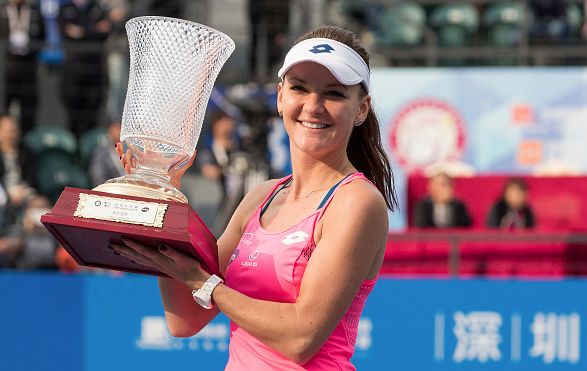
column 300, row 254
column 512, row 210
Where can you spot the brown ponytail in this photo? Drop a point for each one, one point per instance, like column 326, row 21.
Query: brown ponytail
column 365, row 150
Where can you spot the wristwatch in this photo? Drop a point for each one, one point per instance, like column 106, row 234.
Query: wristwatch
column 203, row 296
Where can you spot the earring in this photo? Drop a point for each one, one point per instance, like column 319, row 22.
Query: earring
column 359, row 123
column 280, row 113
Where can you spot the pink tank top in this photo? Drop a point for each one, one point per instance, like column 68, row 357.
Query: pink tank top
column 270, row 266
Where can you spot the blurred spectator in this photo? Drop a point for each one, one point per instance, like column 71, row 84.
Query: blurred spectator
column 512, row 210
column 37, row 245
column 21, row 23
column 18, row 168
column 222, row 151
column 548, row 21
column 440, row 209
column 223, row 159
column 117, row 55
column 105, row 163
column 10, row 243
column 84, row 25
column 269, row 25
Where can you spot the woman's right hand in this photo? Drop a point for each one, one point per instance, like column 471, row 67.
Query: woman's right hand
column 125, row 159
column 128, row 162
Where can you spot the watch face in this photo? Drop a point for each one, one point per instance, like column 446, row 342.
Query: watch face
column 204, row 303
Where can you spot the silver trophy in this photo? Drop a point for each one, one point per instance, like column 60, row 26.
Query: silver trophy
column 173, row 66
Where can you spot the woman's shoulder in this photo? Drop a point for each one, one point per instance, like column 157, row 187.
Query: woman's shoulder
column 260, row 191
column 360, row 195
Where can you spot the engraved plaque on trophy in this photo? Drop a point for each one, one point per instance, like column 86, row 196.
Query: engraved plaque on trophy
column 174, row 64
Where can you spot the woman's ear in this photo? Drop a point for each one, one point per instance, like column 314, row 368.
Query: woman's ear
column 279, row 104
column 363, row 109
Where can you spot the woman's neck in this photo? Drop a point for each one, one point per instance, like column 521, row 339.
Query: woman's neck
column 311, row 174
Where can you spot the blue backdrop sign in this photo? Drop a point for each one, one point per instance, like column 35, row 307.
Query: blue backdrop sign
column 481, row 121
column 87, row 323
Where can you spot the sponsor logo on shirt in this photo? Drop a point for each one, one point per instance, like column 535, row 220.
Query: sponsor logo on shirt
column 233, row 256
column 299, row 236
column 247, row 239
column 252, row 256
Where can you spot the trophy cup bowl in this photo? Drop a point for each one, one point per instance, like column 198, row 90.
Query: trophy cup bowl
column 174, row 64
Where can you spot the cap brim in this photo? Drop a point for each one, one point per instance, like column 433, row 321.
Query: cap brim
column 341, row 71
column 343, row 62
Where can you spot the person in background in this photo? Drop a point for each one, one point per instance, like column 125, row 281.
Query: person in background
column 84, row 25
column 219, row 153
column 440, row 209
column 269, row 25
column 21, row 24
column 512, row 210
column 37, row 245
column 117, row 55
column 548, row 21
column 224, row 160
column 105, row 163
column 18, row 169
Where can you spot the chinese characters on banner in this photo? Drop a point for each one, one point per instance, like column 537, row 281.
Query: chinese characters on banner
column 551, row 337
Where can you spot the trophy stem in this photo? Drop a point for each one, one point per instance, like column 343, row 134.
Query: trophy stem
column 145, row 171
column 144, row 182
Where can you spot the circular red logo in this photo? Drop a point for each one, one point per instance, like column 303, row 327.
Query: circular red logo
column 424, row 132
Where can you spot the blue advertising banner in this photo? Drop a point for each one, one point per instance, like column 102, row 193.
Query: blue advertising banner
column 88, row 322
column 473, row 325
column 126, row 330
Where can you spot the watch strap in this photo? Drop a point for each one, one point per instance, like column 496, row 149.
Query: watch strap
column 203, row 296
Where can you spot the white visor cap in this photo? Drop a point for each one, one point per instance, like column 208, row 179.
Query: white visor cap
column 345, row 64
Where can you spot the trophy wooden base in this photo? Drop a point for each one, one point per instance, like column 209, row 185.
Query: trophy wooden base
column 86, row 238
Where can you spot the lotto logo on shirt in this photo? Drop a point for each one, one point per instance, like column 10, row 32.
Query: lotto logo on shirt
column 252, row 256
column 299, row 236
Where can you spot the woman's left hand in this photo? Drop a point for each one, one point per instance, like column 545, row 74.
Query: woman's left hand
column 166, row 259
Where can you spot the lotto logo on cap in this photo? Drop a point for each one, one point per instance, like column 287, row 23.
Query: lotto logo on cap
column 343, row 62
column 324, row 48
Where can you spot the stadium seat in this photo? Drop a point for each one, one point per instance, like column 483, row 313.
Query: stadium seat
column 503, row 22
column 89, row 141
column 401, row 25
column 455, row 25
column 55, row 177
column 45, row 138
column 52, row 159
column 575, row 17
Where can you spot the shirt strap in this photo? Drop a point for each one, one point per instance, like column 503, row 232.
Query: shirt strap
column 275, row 194
column 325, row 199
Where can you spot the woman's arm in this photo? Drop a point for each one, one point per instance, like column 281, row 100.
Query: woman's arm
column 350, row 250
column 184, row 316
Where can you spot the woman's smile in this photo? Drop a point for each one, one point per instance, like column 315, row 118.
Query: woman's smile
column 314, row 126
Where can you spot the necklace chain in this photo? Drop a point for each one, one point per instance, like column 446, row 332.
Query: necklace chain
column 317, row 189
